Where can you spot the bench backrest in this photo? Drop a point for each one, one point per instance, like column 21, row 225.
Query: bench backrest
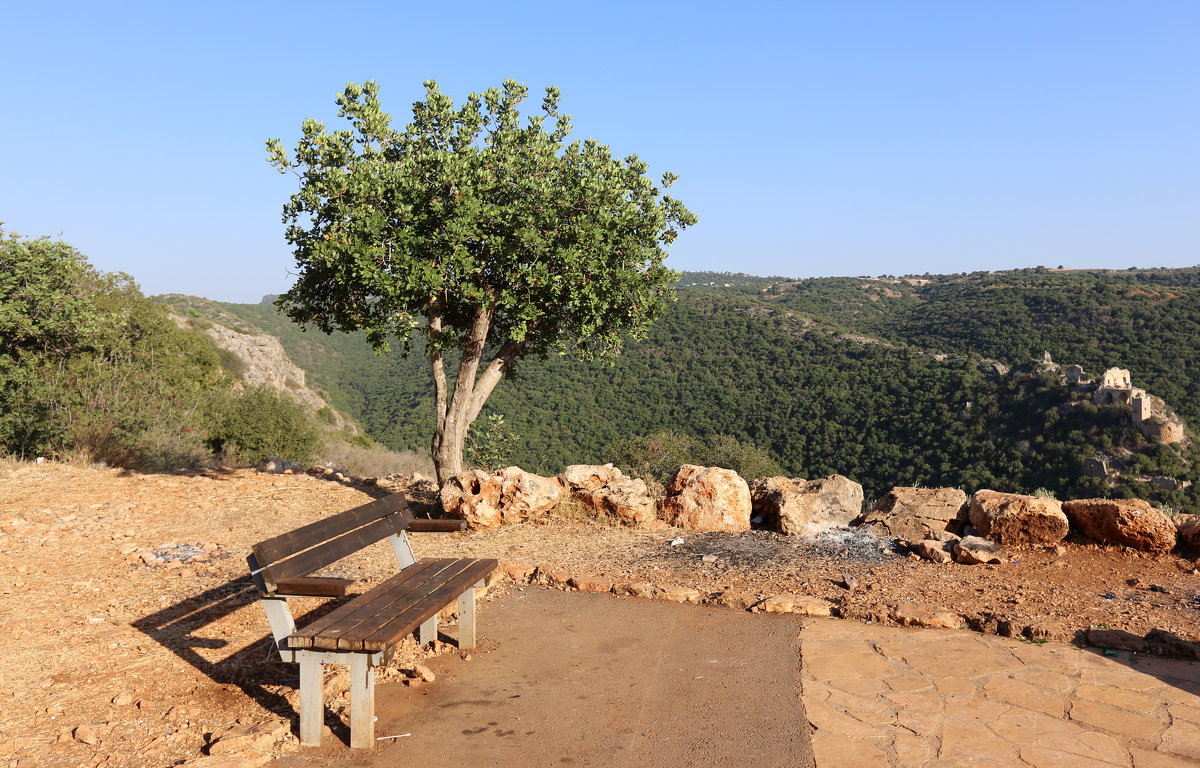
column 316, row 545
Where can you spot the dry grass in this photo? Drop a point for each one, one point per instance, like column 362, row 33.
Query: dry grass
column 568, row 511
column 374, row 462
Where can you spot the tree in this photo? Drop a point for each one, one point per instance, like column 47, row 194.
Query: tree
column 481, row 233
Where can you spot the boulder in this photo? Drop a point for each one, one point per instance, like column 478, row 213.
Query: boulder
column 806, row 507
column 491, row 499
column 973, row 550
column 936, row 551
column 913, row 513
column 1011, row 519
column 604, row 490
column 706, row 499
column 1129, row 522
column 1188, row 528
column 589, row 477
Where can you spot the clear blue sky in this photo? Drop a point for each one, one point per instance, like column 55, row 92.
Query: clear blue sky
column 832, row 138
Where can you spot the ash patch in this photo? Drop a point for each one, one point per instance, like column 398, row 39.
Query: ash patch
column 854, row 544
column 765, row 550
column 173, row 554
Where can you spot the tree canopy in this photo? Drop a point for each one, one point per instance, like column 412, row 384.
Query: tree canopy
column 480, row 231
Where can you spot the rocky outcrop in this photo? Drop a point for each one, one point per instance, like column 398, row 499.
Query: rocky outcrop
column 804, row 507
column 1188, row 529
column 492, row 499
column 912, row 513
column 1013, row 520
column 706, row 499
column 1128, row 522
column 603, row 489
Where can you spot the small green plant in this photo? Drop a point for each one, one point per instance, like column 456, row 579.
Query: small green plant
column 489, row 445
column 1043, row 493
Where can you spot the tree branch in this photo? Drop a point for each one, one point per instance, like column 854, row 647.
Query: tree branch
column 491, row 377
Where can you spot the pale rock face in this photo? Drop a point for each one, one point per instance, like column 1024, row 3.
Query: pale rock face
column 914, row 513
column 807, row 507
column 973, row 550
column 1011, row 519
column 1188, row 528
column 1129, row 522
column 707, row 499
column 603, row 489
column 491, row 499
column 589, row 477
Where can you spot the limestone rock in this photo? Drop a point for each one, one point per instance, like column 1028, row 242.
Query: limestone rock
column 1129, row 522
column 936, row 551
column 803, row 605
column 604, row 490
column 806, row 507
column 1011, row 519
column 734, row 599
column 929, row 616
column 589, row 477
column 913, row 513
column 707, row 499
column 491, row 499
column 255, row 737
column 231, row 760
column 973, row 550
column 1188, row 528
column 86, row 734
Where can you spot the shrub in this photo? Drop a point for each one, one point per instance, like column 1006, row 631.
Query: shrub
column 657, row 456
column 489, row 445
column 261, row 423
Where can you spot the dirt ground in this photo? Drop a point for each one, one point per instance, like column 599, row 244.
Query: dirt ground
column 110, row 660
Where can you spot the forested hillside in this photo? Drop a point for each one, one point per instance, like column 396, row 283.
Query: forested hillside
column 877, row 379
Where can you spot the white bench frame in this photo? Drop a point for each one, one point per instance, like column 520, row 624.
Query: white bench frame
column 362, row 663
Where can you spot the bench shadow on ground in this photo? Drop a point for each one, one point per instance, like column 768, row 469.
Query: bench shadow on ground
column 255, row 669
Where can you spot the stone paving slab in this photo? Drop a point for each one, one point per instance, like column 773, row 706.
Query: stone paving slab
column 924, row 698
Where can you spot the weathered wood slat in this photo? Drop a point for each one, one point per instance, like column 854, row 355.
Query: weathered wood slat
column 333, row 550
column 287, row 544
column 401, row 600
column 370, row 601
column 437, row 526
column 313, row 586
column 428, row 606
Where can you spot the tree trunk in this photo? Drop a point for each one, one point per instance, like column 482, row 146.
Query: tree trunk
column 457, row 410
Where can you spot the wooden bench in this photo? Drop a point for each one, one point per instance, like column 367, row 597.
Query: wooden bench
column 363, row 631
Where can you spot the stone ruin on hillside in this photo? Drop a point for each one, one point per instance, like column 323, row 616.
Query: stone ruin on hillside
column 1150, row 414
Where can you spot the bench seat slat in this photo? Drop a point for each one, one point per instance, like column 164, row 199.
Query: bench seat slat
column 287, row 544
column 400, row 603
column 390, row 633
column 367, row 603
column 378, row 619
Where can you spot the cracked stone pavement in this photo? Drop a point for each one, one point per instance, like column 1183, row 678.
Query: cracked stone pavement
column 889, row 696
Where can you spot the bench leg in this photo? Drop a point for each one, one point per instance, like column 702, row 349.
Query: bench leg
column 466, row 620
column 362, row 701
column 429, row 630
column 312, row 700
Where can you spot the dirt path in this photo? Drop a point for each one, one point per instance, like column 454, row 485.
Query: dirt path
column 590, row 680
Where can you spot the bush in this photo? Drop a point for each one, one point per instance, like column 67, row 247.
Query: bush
column 489, row 445
column 261, row 423
column 657, row 456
